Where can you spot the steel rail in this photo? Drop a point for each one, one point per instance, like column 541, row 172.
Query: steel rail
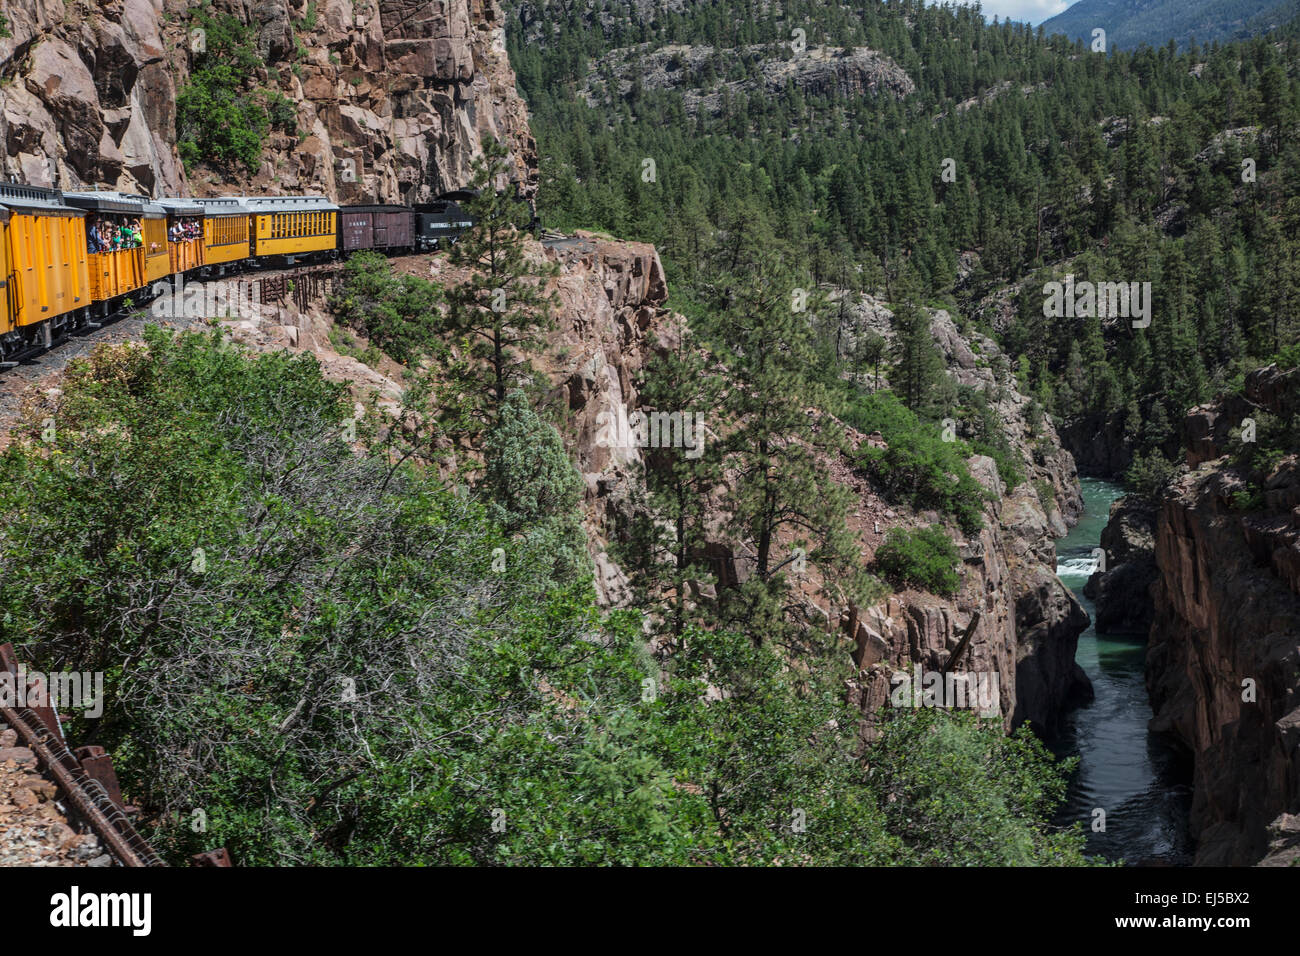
column 86, row 794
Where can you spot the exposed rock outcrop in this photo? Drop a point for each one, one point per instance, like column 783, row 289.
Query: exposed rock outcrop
column 699, row 73
column 1122, row 592
column 1207, row 428
column 1099, row 445
column 1030, row 621
column 1223, row 664
column 974, row 360
column 391, row 102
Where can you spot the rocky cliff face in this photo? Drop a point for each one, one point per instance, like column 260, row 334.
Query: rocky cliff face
column 817, row 71
column 1029, row 620
column 1223, row 665
column 404, row 92
column 611, row 302
column 1122, row 592
column 392, row 98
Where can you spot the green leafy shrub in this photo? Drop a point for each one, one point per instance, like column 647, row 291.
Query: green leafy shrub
column 918, row 468
column 1046, row 495
column 399, row 314
column 222, row 115
column 343, row 626
column 1148, row 474
column 925, row 558
column 964, row 779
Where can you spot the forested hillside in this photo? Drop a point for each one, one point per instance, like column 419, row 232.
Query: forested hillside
column 1130, row 23
column 998, row 161
column 546, row 550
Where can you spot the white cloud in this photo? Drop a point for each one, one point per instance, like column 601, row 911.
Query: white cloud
column 1028, row 11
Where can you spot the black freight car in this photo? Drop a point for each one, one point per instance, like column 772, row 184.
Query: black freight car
column 384, row 228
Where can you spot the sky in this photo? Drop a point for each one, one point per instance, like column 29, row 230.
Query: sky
column 1028, row 11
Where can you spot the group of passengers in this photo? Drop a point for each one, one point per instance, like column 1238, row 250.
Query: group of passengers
column 182, row 230
column 109, row 235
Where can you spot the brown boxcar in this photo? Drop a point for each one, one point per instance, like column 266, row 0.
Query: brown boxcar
column 376, row 227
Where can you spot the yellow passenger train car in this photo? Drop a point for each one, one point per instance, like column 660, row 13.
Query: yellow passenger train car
column 226, row 238
column 292, row 227
column 157, row 260
column 184, row 234
column 45, row 278
column 8, row 320
column 115, row 244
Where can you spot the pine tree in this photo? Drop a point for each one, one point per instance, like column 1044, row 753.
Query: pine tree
column 918, row 365
column 665, row 551
column 502, row 308
column 778, row 443
column 533, row 489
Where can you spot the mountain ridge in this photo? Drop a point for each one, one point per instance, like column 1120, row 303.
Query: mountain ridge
column 1131, row 23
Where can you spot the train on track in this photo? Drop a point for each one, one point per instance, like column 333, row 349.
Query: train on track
column 72, row 260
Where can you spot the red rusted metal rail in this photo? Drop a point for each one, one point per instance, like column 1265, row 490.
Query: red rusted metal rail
column 86, row 779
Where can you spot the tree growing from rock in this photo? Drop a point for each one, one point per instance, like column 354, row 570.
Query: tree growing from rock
column 501, row 311
column 780, row 440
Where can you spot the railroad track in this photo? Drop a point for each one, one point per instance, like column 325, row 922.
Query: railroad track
column 85, row 779
column 127, row 325
column 280, row 285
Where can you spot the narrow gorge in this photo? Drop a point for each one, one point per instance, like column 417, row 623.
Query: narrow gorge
column 921, row 539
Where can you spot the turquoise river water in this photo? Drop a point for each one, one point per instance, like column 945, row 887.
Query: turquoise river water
column 1137, row 779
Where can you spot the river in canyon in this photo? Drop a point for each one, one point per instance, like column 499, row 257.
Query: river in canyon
column 1140, row 782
